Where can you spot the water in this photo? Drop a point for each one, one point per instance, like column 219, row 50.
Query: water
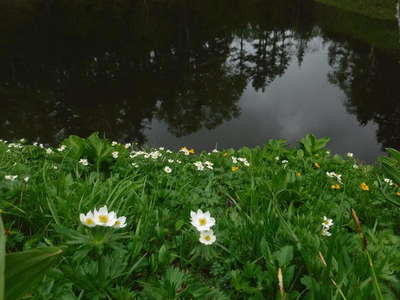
column 205, row 75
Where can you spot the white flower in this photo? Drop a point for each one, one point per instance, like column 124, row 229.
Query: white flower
column 277, row 158
column 168, row 151
column 84, row 162
column 207, row 237
column 22, row 140
column 41, row 146
column 11, row 177
column 167, row 170
column 161, row 148
column 349, row 154
column 334, row 175
column 62, row 148
column 170, row 161
column 355, row 166
column 127, row 145
column 327, row 223
column 104, row 218
column 199, row 165
column 234, row 159
column 135, row 165
column 328, row 152
column 202, row 221
column 88, row 219
column 55, row 167
column 325, row 232
column 115, row 154
column 155, row 154
column 49, row 151
column 209, row 165
column 284, row 162
column 178, row 161
column 35, row 144
column 120, row 222
column 114, row 143
column 26, row 178
column 184, row 150
column 389, row 181
column 215, row 151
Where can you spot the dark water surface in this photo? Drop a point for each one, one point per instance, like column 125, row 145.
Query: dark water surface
column 198, row 73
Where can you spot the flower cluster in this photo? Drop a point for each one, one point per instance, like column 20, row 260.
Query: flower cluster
column 388, row 181
column 153, row 154
column 102, row 217
column 15, row 145
column 326, row 225
column 203, row 223
column 62, row 148
column 10, row 177
column 201, row 166
column 334, row 175
column 243, row 160
column 84, row 162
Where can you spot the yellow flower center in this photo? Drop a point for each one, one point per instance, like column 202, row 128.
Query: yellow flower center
column 103, row 218
column 202, row 221
column 234, row 168
column 89, row 221
column 207, row 238
column 117, row 223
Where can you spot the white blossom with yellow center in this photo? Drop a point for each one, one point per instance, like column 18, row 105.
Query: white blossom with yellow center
column 202, row 221
column 207, row 237
column 120, row 222
column 104, row 218
column 88, row 219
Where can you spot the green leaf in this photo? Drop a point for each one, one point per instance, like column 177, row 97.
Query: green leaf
column 284, row 255
column 311, row 145
column 25, row 269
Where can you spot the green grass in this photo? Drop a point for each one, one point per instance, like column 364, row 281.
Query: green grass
column 268, row 222
column 377, row 9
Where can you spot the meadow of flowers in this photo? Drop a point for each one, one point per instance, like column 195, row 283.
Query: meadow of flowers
column 104, row 220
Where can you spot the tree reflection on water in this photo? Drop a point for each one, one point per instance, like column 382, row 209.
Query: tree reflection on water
column 78, row 67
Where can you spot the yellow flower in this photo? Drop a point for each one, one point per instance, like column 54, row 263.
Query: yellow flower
column 225, row 154
column 317, row 165
column 298, row 174
column 398, row 193
column 364, row 186
column 335, row 186
column 235, row 168
column 191, row 151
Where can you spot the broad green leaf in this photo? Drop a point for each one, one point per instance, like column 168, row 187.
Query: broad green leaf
column 284, row 255
column 25, row 269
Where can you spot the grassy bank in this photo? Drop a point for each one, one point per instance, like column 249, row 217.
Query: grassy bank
column 287, row 221
column 377, row 9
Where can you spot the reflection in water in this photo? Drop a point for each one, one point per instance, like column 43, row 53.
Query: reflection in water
column 204, row 74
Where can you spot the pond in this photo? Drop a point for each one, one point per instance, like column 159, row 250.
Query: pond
column 205, row 75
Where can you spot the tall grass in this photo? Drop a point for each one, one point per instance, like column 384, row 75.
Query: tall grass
column 268, row 216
